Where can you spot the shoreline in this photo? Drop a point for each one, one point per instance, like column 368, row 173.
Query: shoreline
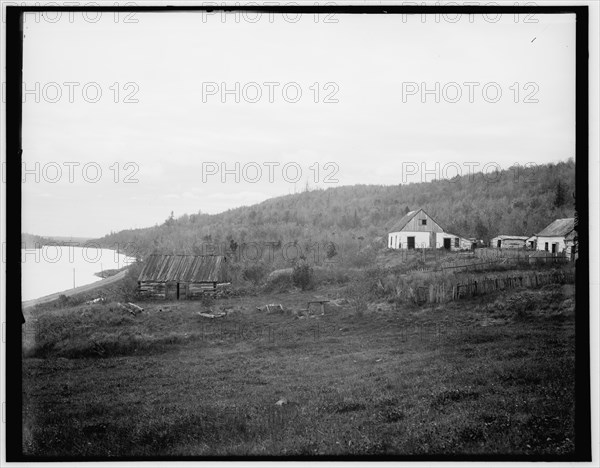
column 73, row 291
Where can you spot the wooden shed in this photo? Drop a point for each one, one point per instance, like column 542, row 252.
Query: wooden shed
column 571, row 245
column 182, row 276
column 509, row 242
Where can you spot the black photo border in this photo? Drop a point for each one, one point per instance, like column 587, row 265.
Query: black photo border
column 14, row 63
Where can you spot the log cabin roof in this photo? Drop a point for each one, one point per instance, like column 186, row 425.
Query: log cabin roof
column 184, row 269
column 558, row 228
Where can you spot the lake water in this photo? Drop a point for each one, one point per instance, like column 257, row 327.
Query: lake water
column 52, row 269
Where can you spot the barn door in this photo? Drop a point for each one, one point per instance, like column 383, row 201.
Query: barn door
column 447, row 243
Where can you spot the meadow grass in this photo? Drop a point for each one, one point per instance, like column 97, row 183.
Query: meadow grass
column 486, row 376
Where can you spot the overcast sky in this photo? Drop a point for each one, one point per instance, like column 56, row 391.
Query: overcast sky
column 369, row 124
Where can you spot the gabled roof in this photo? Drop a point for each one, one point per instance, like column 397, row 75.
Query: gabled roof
column 407, row 217
column 558, row 228
column 404, row 220
column 184, row 268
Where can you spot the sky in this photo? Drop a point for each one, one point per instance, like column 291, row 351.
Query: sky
column 125, row 122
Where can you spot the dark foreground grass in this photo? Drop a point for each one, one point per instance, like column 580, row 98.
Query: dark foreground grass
column 477, row 377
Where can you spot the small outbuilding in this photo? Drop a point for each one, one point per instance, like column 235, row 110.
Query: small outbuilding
column 177, row 277
column 508, row 242
column 531, row 242
column 571, row 245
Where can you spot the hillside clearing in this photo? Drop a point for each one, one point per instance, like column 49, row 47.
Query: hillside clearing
column 479, row 377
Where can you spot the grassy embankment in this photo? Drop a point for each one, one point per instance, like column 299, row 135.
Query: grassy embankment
column 491, row 375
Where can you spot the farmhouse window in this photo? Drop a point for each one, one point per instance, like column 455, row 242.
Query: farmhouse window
column 423, row 222
column 546, row 247
column 456, row 242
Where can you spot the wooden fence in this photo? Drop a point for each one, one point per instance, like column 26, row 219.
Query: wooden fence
column 494, row 263
column 507, row 261
column 440, row 293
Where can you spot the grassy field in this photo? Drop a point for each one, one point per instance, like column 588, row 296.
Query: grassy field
column 492, row 375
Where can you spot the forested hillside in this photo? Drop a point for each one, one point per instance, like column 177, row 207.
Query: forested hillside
column 514, row 201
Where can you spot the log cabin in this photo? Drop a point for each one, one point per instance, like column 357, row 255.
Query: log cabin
column 176, row 277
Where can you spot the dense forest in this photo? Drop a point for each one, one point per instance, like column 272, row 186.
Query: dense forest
column 516, row 201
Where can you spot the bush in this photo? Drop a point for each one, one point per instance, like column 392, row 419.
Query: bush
column 128, row 289
column 330, row 250
column 522, row 303
column 362, row 259
column 279, row 281
column 330, row 275
column 254, row 273
column 302, row 276
column 65, row 301
column 207, row 300
column 357, row 293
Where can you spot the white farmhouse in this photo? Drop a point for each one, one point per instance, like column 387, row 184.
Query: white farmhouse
column 417, row 230
column 556, row 236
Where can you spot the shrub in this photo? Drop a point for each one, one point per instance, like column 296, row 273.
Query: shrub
column 357, row 293
column 330, row 275
column 279, row 281
column 207, row 300
column 330, row 250
column 128, row 288
column 254, row 273
column 362, row 259
column 64, row 301
column 522, row 303
column 302, row 276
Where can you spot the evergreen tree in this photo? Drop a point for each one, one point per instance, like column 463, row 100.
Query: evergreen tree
column 560, row 195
